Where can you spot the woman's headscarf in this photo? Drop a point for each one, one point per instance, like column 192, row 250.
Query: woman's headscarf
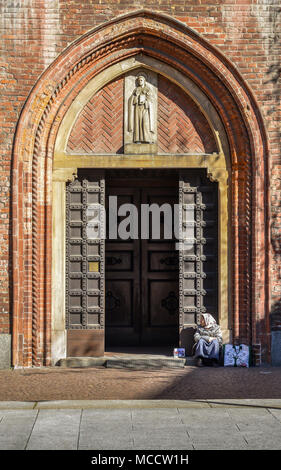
column 209, row 320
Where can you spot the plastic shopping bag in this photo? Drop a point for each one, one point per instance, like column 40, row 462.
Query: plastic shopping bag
column 236, row 356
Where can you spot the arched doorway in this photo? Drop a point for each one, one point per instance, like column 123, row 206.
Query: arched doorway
column 43, row 165
column 129, row 304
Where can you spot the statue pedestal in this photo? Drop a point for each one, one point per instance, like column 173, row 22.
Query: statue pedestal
column 140, row 149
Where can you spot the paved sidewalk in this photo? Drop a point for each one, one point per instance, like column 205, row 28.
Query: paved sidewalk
column 134, row 425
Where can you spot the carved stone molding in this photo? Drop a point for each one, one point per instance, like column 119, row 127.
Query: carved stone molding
column 216, row 175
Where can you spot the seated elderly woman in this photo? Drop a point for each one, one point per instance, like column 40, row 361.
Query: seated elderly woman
column 208, row 339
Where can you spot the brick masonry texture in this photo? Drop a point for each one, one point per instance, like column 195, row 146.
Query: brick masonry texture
column 181, row 125
column 35, row 32
column 99, row 128
column 115, row 384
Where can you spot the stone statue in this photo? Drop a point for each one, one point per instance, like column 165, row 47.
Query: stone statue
column 140, row 112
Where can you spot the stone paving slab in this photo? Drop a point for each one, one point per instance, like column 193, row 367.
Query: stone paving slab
column 163, row 443
column 191, row 415
column 144, row 445
column 261, row 442
column 254, row 420
column 102, row 429
column 17, row 405
column 232, row 445
column 161, row 417
column 55, row 430
column 215, row 434
column 276, row 414
column 105, row 442
column 112, row 415
column 177, row 428
column 15, row 428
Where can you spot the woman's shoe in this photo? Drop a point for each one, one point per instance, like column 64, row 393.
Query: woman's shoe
column 199, row 362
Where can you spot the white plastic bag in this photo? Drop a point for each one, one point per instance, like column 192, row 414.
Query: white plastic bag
column 243, row 356
column 236, row 356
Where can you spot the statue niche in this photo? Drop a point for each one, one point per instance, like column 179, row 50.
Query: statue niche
column 141, row 112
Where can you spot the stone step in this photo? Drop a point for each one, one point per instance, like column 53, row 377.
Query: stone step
column 82, row 362
column 144, row 363
column 127, row 362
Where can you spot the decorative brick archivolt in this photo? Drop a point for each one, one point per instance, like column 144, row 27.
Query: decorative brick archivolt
column 170, row 42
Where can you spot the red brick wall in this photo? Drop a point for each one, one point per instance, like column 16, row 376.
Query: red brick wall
column 34, row 32
column 99, row 127
column 181, row 125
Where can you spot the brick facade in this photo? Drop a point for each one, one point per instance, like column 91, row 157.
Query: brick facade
column 243, row 56
column 99, row 128
column 188, row 130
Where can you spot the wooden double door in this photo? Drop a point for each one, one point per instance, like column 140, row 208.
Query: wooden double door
column 139, row 290
column 142, row 271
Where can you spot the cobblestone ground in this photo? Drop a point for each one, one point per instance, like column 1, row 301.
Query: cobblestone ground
column 99, row 383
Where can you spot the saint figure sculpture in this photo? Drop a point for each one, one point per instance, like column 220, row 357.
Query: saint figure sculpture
column 140, row 112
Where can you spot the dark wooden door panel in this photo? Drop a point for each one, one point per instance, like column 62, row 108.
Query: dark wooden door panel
column 119, row 261
column 119, row 302
column 147, row 311
column 159, row 261
column 122, row 286
column 163, row 303
column 199, row 248
column 160, row 292
column 84, row 255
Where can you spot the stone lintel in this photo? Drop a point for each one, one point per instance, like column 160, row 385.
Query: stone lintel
column 140, row 149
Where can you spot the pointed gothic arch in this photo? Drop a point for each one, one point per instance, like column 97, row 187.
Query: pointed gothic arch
column 170, row 42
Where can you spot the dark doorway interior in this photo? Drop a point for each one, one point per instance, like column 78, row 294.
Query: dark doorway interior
column 141, row 275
